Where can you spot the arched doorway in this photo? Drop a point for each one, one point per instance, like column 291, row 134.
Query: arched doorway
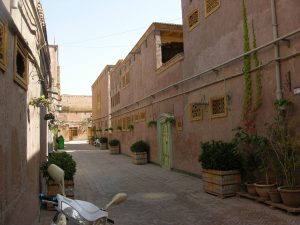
column 165, row 141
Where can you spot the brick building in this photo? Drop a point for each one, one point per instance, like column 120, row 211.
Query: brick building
column 194, row 74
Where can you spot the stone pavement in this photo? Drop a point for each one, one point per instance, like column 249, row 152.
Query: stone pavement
column 159, row 197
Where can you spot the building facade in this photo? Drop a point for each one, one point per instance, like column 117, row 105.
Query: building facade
column 190, row 79
column 74, row 119
column 24, row 74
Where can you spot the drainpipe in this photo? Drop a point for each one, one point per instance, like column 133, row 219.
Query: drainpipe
column 279, row 94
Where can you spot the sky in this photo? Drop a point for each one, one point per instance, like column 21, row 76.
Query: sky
column 94, row 33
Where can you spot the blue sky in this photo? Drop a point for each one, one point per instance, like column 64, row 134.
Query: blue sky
column 91, row 34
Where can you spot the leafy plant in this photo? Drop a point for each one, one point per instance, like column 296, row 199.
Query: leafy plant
column 170, row 120
column 103, row 140
column 114, row 142
column 140, row 146
column 106, row 129
column 49, row 116
column 40, row 101
column 53, row 128
column 64, row 161
column 219, row 155
column 152, row 123
column 285, row 146
column 130, row 127
column 119, row 128
column 110, row 129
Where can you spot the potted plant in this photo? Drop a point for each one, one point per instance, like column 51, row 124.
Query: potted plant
column 130, row 127
column 103, row 143
column 119, row 128
column 49, row 116
column 65, row 162
column 114, row 146
column 250, row 161
column 221, row 163
column 286, row 148
column 139, row 151
column 110, row 129
column 41, row 101
column 152, row 123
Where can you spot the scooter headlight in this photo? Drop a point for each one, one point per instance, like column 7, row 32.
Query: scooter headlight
column 70, row 212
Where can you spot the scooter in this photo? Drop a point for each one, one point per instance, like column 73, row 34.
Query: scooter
column 77, row 212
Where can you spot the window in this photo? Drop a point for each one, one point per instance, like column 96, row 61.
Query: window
column 73, row 131
column 143, row 115
column 218, row 107
column 125, row 80
column 98, row 102
column 193, row 19
column 179, row 124
column 211, row 6
column 196, row 111
column 20, row 65
column 136, row 117
column 3, row 56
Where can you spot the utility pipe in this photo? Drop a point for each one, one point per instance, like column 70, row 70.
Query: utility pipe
column 279, row 94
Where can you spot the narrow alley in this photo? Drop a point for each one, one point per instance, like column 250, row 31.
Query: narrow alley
column 158, row 196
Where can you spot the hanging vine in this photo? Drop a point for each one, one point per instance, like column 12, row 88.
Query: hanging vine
column 247, row 106
column 258, row 75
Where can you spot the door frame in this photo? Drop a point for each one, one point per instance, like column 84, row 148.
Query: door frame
column 162, row 119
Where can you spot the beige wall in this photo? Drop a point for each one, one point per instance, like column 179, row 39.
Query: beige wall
column 23, row 140
column 76, row 112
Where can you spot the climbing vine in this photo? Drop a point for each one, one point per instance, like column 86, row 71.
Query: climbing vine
column 247, row 67
column 258, row 75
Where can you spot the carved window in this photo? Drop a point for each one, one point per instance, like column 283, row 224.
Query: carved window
column 98, row 102
column 218, row 107
column 136, row 117
column 20, row 65
column 196, row 112
column 3, row 36
column 179, row 124
column 193, row 19
column 211, row 6
column 143, row 116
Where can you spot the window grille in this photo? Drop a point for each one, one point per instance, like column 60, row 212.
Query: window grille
column 193, row 19
column 211, row 6
column 196, row 112
column 3, row 36
column 218, row 107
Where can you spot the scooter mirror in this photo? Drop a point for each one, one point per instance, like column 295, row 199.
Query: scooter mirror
column 58, row 175
column 117, row 199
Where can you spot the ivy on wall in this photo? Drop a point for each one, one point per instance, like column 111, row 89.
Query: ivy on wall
column 249, row 109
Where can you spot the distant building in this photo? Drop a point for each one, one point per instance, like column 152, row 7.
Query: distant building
column 24, row 74
column 74, row 119
column 192, row 75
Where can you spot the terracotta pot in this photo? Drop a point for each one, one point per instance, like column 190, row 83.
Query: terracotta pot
column 251, row 189
column 290, row 196
column 262, row 189
column 275, row 196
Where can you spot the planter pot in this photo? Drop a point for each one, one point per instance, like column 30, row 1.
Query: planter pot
column 275, row 196
column 290, row 196
column 113, row 150
column 251, row 189
column 53, row 188
column 103, row 146
column 139, row 158
column 263, row 189
column 221, row 183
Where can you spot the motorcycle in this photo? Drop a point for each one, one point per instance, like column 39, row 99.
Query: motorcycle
column 77, row 212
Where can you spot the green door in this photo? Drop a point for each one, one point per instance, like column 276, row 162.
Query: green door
column 165, row 146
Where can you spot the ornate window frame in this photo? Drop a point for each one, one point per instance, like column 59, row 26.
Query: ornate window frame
column 211, row 105
column 196, row 10
column 3, row 45
column 19, row 49
column 213, row 9
column 192, row 117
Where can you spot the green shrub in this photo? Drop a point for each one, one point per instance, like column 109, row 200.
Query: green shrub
column 219, row 155
column 114, row 142
column 64, row 161
column 103, row 140
column 140, row 146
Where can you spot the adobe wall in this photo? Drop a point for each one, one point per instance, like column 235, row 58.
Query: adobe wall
column 23, row 140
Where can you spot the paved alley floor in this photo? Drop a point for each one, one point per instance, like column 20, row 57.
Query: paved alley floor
column 160, row 197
